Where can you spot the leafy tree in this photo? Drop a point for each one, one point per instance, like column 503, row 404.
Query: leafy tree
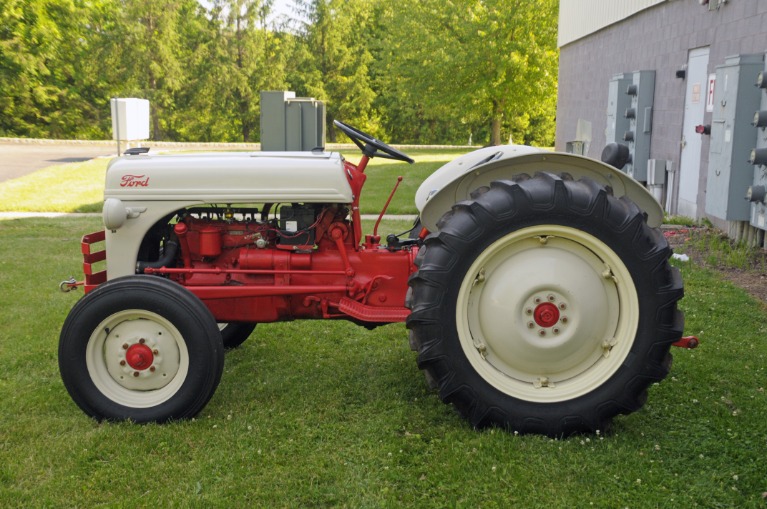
column 29, row 32
column 244, row 57
column 333, row 60
column 475, row 62
column 146, row 50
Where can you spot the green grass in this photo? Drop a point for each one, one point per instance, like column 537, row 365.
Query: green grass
column 73, row 187
column 320, row 413
column 79, row 187
column 721, row 252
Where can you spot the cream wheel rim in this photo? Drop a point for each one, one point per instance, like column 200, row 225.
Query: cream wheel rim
column 547, row 313
column 137, row 358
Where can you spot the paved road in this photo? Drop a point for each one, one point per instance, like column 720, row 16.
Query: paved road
column 18, row 159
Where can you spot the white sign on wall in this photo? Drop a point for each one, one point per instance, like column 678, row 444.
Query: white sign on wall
column 710, row 93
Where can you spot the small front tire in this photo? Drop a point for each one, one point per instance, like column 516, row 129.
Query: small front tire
column 140, row 348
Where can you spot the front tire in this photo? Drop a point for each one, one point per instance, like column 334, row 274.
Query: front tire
column 140, row 348
column 545, row 305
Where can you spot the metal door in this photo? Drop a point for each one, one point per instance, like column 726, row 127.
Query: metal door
column 694, row 109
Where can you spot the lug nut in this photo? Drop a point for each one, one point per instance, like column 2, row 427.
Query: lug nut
column 125, row 346
column 152, row 369
column 142, row 341
column 556, row 331
column 136, row 373
column 563, row 306
column 122, row 363
column 530, row 325
column 156, row 351
column 529, row 311
column 541, row 332
column 551, row 298
column 564, row 319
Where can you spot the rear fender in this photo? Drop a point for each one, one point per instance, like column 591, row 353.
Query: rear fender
column 455, row 181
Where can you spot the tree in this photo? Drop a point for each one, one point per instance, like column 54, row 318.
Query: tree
column 29, row 32
column 489, row 62
column 244, row 57
column 334, row 59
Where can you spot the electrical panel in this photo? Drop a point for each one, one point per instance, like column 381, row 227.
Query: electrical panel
column 617, row 104
column 291, row 123
column 733, row 137
column 758, row 157
column 629, row 118
column 641, row 91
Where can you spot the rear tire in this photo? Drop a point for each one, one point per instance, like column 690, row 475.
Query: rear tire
column 140, row 348
column 545, row 305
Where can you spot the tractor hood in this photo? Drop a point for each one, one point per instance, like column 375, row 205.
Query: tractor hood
column 230, row 177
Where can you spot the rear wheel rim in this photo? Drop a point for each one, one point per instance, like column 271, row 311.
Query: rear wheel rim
column 137, row 358
column 547, row 313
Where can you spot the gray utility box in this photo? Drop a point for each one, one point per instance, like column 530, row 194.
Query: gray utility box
column 732, row 137
column 758, row 157
column 289, row 123
column 617, row 104
column 641, row 91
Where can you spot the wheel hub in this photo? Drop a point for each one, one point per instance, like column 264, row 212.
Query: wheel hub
column 139, row 356
column 546, row 314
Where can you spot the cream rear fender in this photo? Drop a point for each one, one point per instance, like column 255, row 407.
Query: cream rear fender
column 455, row 181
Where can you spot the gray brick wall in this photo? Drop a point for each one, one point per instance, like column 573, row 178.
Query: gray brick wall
column 655, row 39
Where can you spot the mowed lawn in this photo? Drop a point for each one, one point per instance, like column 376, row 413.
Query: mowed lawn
column 321, row 413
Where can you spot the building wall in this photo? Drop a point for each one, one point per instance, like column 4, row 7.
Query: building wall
column 578, row 18
column 657, row 38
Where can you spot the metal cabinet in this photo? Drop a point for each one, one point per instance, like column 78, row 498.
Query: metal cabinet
column 629, row 118
column 289, row 123
column 732, row 137
column 757, row 193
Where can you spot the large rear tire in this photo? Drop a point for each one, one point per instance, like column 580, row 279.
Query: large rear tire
column 140, row 348
column 545, row 305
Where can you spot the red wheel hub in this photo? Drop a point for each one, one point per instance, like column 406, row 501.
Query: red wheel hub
column 546, row 314
column 139, row 356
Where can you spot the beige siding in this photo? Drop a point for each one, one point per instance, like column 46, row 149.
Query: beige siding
column 579, row 18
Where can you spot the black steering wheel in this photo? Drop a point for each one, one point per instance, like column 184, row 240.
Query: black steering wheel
column 370, row 146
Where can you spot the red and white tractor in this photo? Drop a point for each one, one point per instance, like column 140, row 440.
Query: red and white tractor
column 536, row 285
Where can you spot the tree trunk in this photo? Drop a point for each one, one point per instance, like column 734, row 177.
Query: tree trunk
column 495, row 136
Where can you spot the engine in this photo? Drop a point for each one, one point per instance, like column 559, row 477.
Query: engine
column 278, row 262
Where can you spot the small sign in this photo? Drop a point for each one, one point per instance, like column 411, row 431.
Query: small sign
column 710, row 93
column 695, row 93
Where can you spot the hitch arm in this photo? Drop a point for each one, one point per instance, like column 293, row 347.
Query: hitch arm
column 689, row 342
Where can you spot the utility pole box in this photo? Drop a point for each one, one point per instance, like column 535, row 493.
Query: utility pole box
column 130, row 119
column 290, row 123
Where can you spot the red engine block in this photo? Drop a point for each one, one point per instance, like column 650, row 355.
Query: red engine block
column 244, row 273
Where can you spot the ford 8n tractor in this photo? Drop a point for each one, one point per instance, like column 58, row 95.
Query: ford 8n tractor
column 536, row 285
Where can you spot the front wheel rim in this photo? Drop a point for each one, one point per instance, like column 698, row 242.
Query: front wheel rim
column 547, row 313
column 137, row 358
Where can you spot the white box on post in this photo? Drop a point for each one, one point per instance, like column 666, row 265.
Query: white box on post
column 130, row 120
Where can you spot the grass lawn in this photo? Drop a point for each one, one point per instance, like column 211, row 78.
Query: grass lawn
column 321, row 413
column 317, row 413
